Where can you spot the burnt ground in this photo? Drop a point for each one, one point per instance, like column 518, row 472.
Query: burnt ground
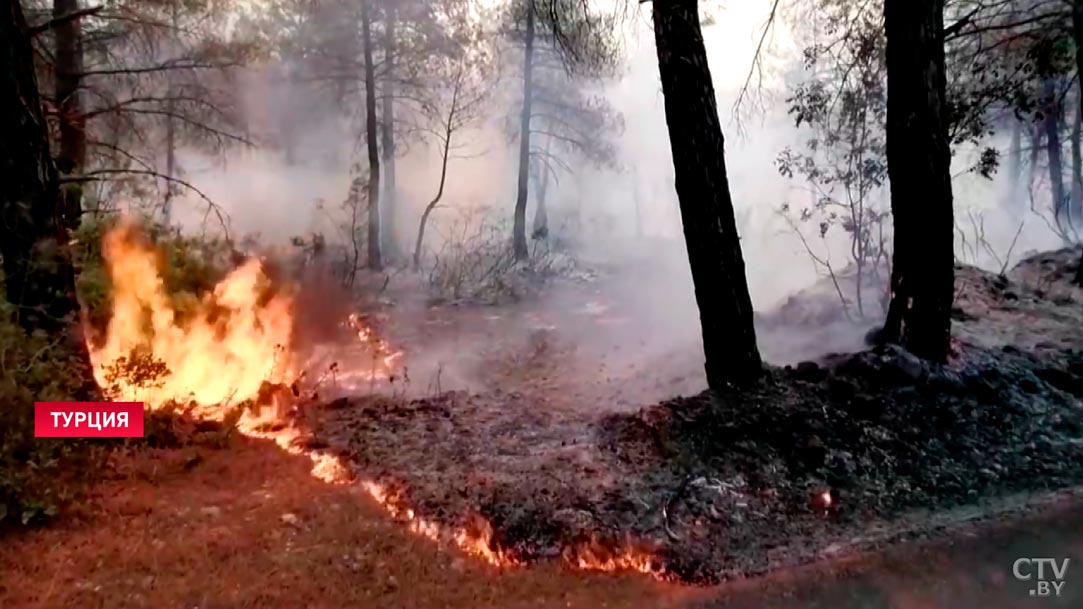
column 733, row 485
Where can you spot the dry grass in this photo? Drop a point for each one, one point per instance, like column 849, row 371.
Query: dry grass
column 250, row 527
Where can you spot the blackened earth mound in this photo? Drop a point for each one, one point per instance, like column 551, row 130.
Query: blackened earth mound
column 880, row 432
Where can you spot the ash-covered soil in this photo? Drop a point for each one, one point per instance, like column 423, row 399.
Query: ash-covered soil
column 815, row 459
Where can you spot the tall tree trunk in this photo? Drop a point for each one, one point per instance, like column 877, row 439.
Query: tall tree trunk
column 919, row 167
column 71, row 159
column 710, row 232
column 1015, row 165
column 1075, row 204
column 170, row 135
column 170, row 165
column 39, row 277
column 540, row 229
column 1077, row 35
column 519, row 227
column 1051, row 125
column 375, row 261
column 387, row 136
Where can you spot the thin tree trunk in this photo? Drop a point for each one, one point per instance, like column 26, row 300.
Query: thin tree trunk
column 374, row 259
column 387, row 136
column 919, row 161
column 1051, row 125
column 69, row 99
column 1015, row 164
column 540, row 230
column 170, row 136
column 1075, row 204
column 439, row 191
column 1077, row 35
column 710, row 231
column 170, row 164
column 519, row 227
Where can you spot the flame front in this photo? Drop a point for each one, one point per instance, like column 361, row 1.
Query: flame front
column 476, row 538
column 235, row 347
column 235, row 342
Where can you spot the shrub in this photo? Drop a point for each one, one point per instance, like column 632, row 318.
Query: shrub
column 39, row 476
column 34, row 367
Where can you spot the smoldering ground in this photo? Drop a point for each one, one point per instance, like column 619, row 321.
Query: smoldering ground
column 527, row 390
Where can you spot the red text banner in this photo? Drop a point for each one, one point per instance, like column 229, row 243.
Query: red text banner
column 88, row 420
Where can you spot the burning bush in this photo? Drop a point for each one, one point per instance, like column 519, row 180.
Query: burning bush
column 219, row 351
column 36, row 367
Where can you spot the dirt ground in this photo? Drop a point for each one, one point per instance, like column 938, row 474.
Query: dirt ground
column 249, row 526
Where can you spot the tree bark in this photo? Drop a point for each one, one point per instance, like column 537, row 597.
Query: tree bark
column 919, row 167
column 1077, row 35
column 387, row 136
column 69, row 99
column 1075, row 204
column 1051, row 125
column 375, row 262
column 519, row 228
column 714, row 249
column 39, row 277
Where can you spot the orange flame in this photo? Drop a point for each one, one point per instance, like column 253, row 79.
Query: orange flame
column 476, row 539
column 236, row 346
column 597, row 555
column 235, row 342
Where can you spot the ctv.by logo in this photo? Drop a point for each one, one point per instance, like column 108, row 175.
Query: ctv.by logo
column 1025, row 570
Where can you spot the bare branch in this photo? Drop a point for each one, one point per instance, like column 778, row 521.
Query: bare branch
column 56, row 22
column 100, row 175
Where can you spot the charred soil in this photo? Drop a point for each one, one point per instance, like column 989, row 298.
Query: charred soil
column 818, row 458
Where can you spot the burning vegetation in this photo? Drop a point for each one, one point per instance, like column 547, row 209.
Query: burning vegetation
column 236, row 346
column 226, row 348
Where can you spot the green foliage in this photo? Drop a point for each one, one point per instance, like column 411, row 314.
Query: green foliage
column 39, row 476
column 33, row 471
column 188, row 266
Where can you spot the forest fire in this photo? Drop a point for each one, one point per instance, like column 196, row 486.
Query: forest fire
column 236, row 338
column 236, row 344
column 476, row 538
